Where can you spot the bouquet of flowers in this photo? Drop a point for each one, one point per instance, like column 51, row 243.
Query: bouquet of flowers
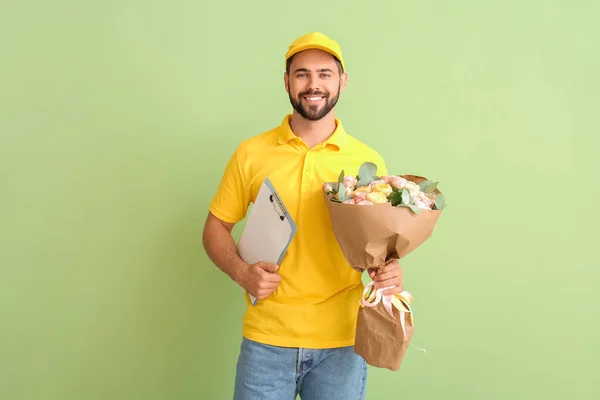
column 378, row 219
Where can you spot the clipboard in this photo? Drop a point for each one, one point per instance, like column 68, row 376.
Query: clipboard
column 269, row 229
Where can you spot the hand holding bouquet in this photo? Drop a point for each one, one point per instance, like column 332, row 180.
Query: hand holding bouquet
column 378, row 219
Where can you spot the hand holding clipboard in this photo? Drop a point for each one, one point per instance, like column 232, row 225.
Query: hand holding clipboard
column 268, row 230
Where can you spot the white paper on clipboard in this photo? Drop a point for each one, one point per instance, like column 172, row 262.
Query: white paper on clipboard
column 268, row 231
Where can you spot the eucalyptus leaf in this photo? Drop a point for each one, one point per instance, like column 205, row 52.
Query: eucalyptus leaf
column 367, row 170
column 365, row 181
column 343, row 195
column 406, row 197
column 440, row 202
column 341, row 177
column 414, row 208
column 428, row 186
column 423, row 185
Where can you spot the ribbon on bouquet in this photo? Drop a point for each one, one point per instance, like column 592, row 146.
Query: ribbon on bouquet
column 401, row 301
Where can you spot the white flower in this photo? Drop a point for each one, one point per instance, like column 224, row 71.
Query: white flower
column 413, row 189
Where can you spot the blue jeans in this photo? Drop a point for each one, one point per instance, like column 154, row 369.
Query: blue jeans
column 278, row 373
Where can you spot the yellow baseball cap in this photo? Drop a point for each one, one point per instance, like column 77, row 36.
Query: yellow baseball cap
column 316, row 40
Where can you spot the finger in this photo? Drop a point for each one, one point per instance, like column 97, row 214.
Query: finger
column 268, row 266
column 394, row 265
column 389, row 282
column 372, row 273
column 270, row 277
column 264, row 293
column 267, row 286
column 386, row 275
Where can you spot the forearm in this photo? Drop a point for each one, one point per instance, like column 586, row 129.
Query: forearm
column 222, row 250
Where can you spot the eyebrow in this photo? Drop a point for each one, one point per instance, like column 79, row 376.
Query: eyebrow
column 307, row 70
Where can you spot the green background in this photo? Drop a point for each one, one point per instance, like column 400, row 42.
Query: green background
column 114, row 113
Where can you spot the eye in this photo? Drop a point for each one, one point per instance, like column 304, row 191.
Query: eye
column 301, row 75
column 325, row 75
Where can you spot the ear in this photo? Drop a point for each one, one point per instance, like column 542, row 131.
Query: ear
column 343, row 81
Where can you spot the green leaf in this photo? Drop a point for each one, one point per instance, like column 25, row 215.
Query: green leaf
column 364, row 181
column 341, row 177
column 414, row 208
column 440, row 202
column 428, row 186
column 343, row 196
column 367, row 170
column 406, row 197
column 395, row 198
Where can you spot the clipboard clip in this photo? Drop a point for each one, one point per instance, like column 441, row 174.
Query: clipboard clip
column 274, row 198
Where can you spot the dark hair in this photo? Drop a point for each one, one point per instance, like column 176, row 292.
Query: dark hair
column 337, row 61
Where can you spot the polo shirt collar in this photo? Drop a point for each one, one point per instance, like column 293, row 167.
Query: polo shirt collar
column 285, row 133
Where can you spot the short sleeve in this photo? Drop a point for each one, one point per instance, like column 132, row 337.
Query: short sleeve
column 232, row 198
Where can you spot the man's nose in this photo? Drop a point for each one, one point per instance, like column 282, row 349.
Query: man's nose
column 313, row 83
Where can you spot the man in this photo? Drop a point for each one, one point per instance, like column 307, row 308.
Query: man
column 298, row 338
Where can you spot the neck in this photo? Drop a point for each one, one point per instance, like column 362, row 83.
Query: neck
column 313, row 132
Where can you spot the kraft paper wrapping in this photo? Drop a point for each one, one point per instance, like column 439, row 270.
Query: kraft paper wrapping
column 371, row 236
column 380, row 339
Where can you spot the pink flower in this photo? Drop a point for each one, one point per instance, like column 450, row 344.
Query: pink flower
column 397, row 182
column 350, row 181
column 365, row 203
column 359, row 196
column 327, row 188
column 422, row 204
column 426, row 199
column 349, row 201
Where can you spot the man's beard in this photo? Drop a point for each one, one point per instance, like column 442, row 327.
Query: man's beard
column 312, row 113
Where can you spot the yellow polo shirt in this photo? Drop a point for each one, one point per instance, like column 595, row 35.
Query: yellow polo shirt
column 316, row 303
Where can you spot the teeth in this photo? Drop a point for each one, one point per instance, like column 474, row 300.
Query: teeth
column 313, row 98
